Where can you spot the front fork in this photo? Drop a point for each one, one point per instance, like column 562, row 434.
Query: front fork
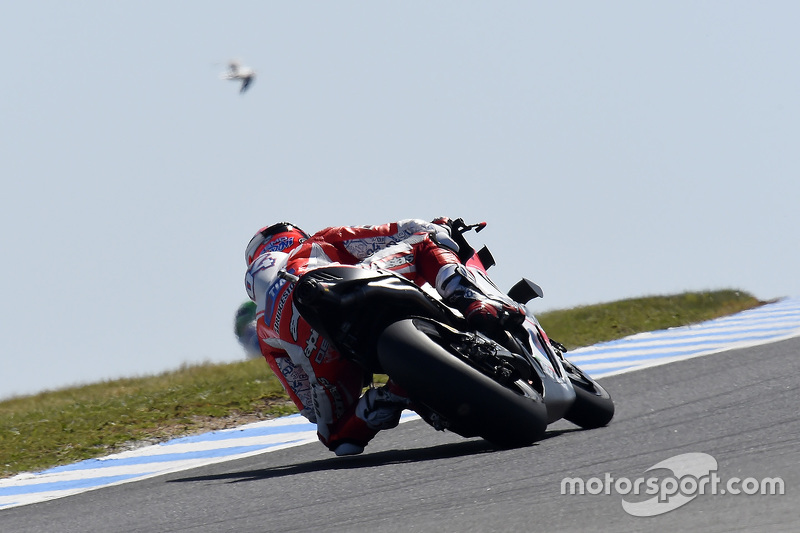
column 558, row 393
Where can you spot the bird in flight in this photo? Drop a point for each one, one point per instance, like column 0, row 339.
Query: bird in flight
column 238, row 72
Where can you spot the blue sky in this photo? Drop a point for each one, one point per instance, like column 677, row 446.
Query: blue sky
column 617, row 149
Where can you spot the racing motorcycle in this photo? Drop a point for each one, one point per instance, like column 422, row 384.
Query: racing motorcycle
column 505, row 388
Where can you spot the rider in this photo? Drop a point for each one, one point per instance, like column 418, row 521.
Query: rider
column 324, row 386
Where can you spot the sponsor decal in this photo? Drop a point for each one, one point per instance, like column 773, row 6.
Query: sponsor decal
column 311, row 344
column 322, row 354
column 294, row 321
column 279, row 244
column 397, row 261
column 287, row 291
column 363, row 248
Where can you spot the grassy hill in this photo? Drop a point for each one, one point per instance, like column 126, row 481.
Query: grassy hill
column 68, row 425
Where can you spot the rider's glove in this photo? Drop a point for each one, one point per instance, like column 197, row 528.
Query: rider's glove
column 444, row 222
column 443, row 236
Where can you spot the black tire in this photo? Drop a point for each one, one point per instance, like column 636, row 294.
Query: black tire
column 470, row 400
column 593, row 406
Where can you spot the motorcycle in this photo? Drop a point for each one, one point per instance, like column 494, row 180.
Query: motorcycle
column 505, row 389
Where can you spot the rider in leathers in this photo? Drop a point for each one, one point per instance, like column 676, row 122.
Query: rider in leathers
column 325, row 386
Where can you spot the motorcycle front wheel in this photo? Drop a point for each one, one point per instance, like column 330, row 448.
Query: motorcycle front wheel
column 466, row 398
column 593, row 406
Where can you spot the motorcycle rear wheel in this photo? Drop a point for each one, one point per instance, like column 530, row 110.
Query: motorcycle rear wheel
column 468, row 399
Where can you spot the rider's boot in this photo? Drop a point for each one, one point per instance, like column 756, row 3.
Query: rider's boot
column 457, row 287
column 381, row 407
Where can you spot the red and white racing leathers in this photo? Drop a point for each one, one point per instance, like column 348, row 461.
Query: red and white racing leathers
column 324, row 386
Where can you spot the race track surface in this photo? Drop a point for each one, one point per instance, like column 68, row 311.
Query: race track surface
column 738, row 408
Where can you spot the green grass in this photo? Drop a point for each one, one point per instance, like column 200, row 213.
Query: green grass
column 69, row 425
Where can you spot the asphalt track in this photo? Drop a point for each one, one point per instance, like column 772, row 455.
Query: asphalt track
column 740, row 407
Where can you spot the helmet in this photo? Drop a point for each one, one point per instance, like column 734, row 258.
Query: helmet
column 280, row 237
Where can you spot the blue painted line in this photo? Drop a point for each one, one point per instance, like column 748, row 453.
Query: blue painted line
column 751, row 325
column 748, row 328
column 720, row 330
column 87, row 483
column 612, row 370
column 692, row 346
column 90, row 464
column 244, row 433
